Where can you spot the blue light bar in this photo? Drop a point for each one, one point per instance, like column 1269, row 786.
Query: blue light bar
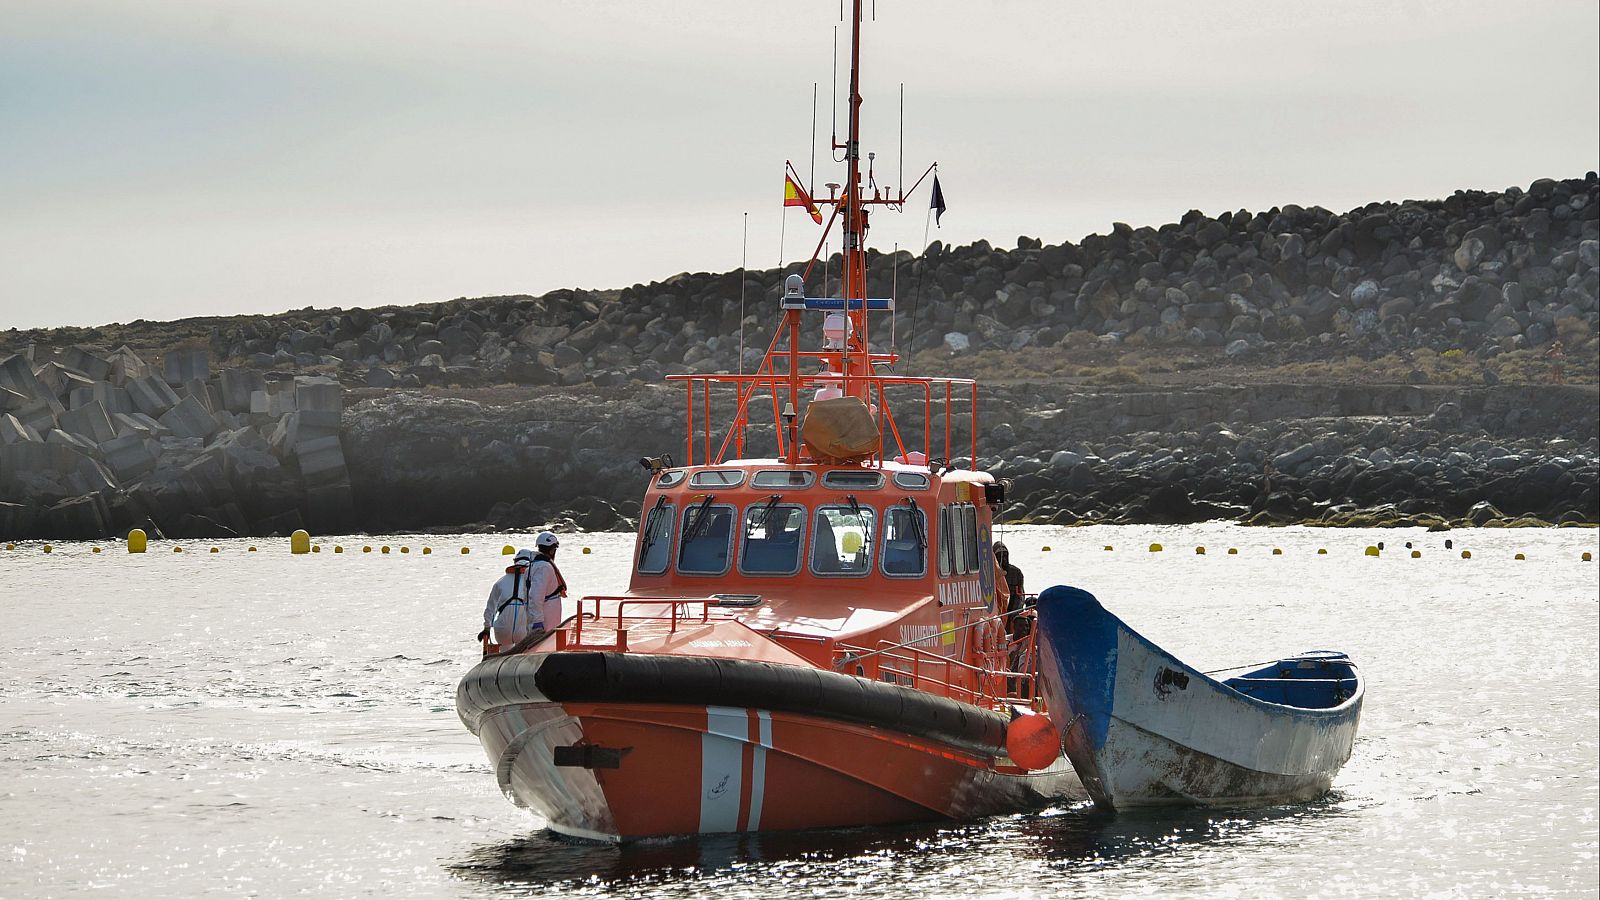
column 878, row 304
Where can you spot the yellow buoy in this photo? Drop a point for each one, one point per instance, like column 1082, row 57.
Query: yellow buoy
column 177, row 549
column 1416, row 554
column 384, row 548
column 405, row 549
column 1155, row 548
column 300, row 542
column 1322, row 551
column 48, row 548
column 1372, row 551
column 137, row 540
column 250, row 549
column 11, row 546
column 338, row 548
column 426, row 550
column 1587, row 556
column 1233, row 551
column 1520, row 556
column 97, row 550
column 1046, row 548
column 507, row 550
column 586, row 551
column 1466, row 554
column 465, row 550
column 1199, row 551
column 366, row 548
column 1107, row 548
column 216, row 549
column 1277, row 551
column 316, row 548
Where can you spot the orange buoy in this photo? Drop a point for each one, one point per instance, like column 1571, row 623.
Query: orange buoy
column 1032, row 742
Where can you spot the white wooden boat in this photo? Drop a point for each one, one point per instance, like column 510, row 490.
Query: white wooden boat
column 1143, row 729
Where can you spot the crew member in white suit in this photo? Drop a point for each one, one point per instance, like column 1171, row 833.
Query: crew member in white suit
column 546, row 587
column 509, row 612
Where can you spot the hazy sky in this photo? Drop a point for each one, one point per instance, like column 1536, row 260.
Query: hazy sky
column 169, row 159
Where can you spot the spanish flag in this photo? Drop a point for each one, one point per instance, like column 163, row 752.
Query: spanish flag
column 795, row 195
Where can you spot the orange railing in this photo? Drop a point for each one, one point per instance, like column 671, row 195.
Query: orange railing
column 701, row 429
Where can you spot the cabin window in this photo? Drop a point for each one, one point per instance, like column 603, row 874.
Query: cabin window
column 705, row 540
column 945, row 539
column 792, row 479
column 912, row 481
column 841, row 542
column 670, row 478
column 969, row 516
column 905, row 541
column 958, row 542
column 774, row 536
column 717, row 478
column 655, row 540
column 853, row 479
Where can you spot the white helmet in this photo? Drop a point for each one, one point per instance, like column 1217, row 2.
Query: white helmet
column 547, row 540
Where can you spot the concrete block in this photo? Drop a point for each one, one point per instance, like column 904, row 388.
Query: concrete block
column 260, row 402
column 16, row 520
column 319, row 420
column 184, row 366
column 90, row 421
column 237, row 387
column 127, row 366
column 138, row 423
column 78, row 518
column 92, row 477
column 281, row 401
column 282, row 438
column 10, row 400
column 82, row 445
column 152, row 396
column 38, row 458
column 197, row 389
column 16, row 374
column 41, row 413
column 318, row 392
column 129, row 456
column 52, row 379
column 81, row 359
column 322, row 461
column 115, row 399
column 13, row 430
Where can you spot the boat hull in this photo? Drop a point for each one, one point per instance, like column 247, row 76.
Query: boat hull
column 614, row 770
column 1144, row 729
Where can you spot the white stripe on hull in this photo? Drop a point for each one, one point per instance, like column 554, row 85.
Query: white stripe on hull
column 758, row 768
column 722, row 768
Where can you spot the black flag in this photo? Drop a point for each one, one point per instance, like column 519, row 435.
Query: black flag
column 937, row 203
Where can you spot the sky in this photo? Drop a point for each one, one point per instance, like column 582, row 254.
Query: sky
column 215, row 157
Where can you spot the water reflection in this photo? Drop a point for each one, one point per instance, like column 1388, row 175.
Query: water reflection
column 1062, row 840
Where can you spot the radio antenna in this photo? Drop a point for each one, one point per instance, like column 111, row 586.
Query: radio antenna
column 901, row 178
column 812, row 180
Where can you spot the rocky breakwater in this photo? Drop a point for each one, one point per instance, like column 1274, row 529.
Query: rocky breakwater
column 1484, row 274
column 419, row 462
column 1274, row 454
column 93, row 444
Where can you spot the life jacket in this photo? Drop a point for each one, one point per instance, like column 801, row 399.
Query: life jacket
column 561, row 583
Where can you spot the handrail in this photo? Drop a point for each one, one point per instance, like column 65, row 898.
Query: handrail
column 749, row 384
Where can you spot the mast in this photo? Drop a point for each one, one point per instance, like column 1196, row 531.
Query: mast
column 854, row 359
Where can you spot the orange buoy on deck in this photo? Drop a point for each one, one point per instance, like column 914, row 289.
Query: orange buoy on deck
column 1033, row 742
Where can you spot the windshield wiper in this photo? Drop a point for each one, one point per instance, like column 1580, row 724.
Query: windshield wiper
column 759, row 520
column 652, row 528
column 699, row 523
column 917, row 530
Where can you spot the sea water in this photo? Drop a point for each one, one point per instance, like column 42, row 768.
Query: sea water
column 257, row 723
